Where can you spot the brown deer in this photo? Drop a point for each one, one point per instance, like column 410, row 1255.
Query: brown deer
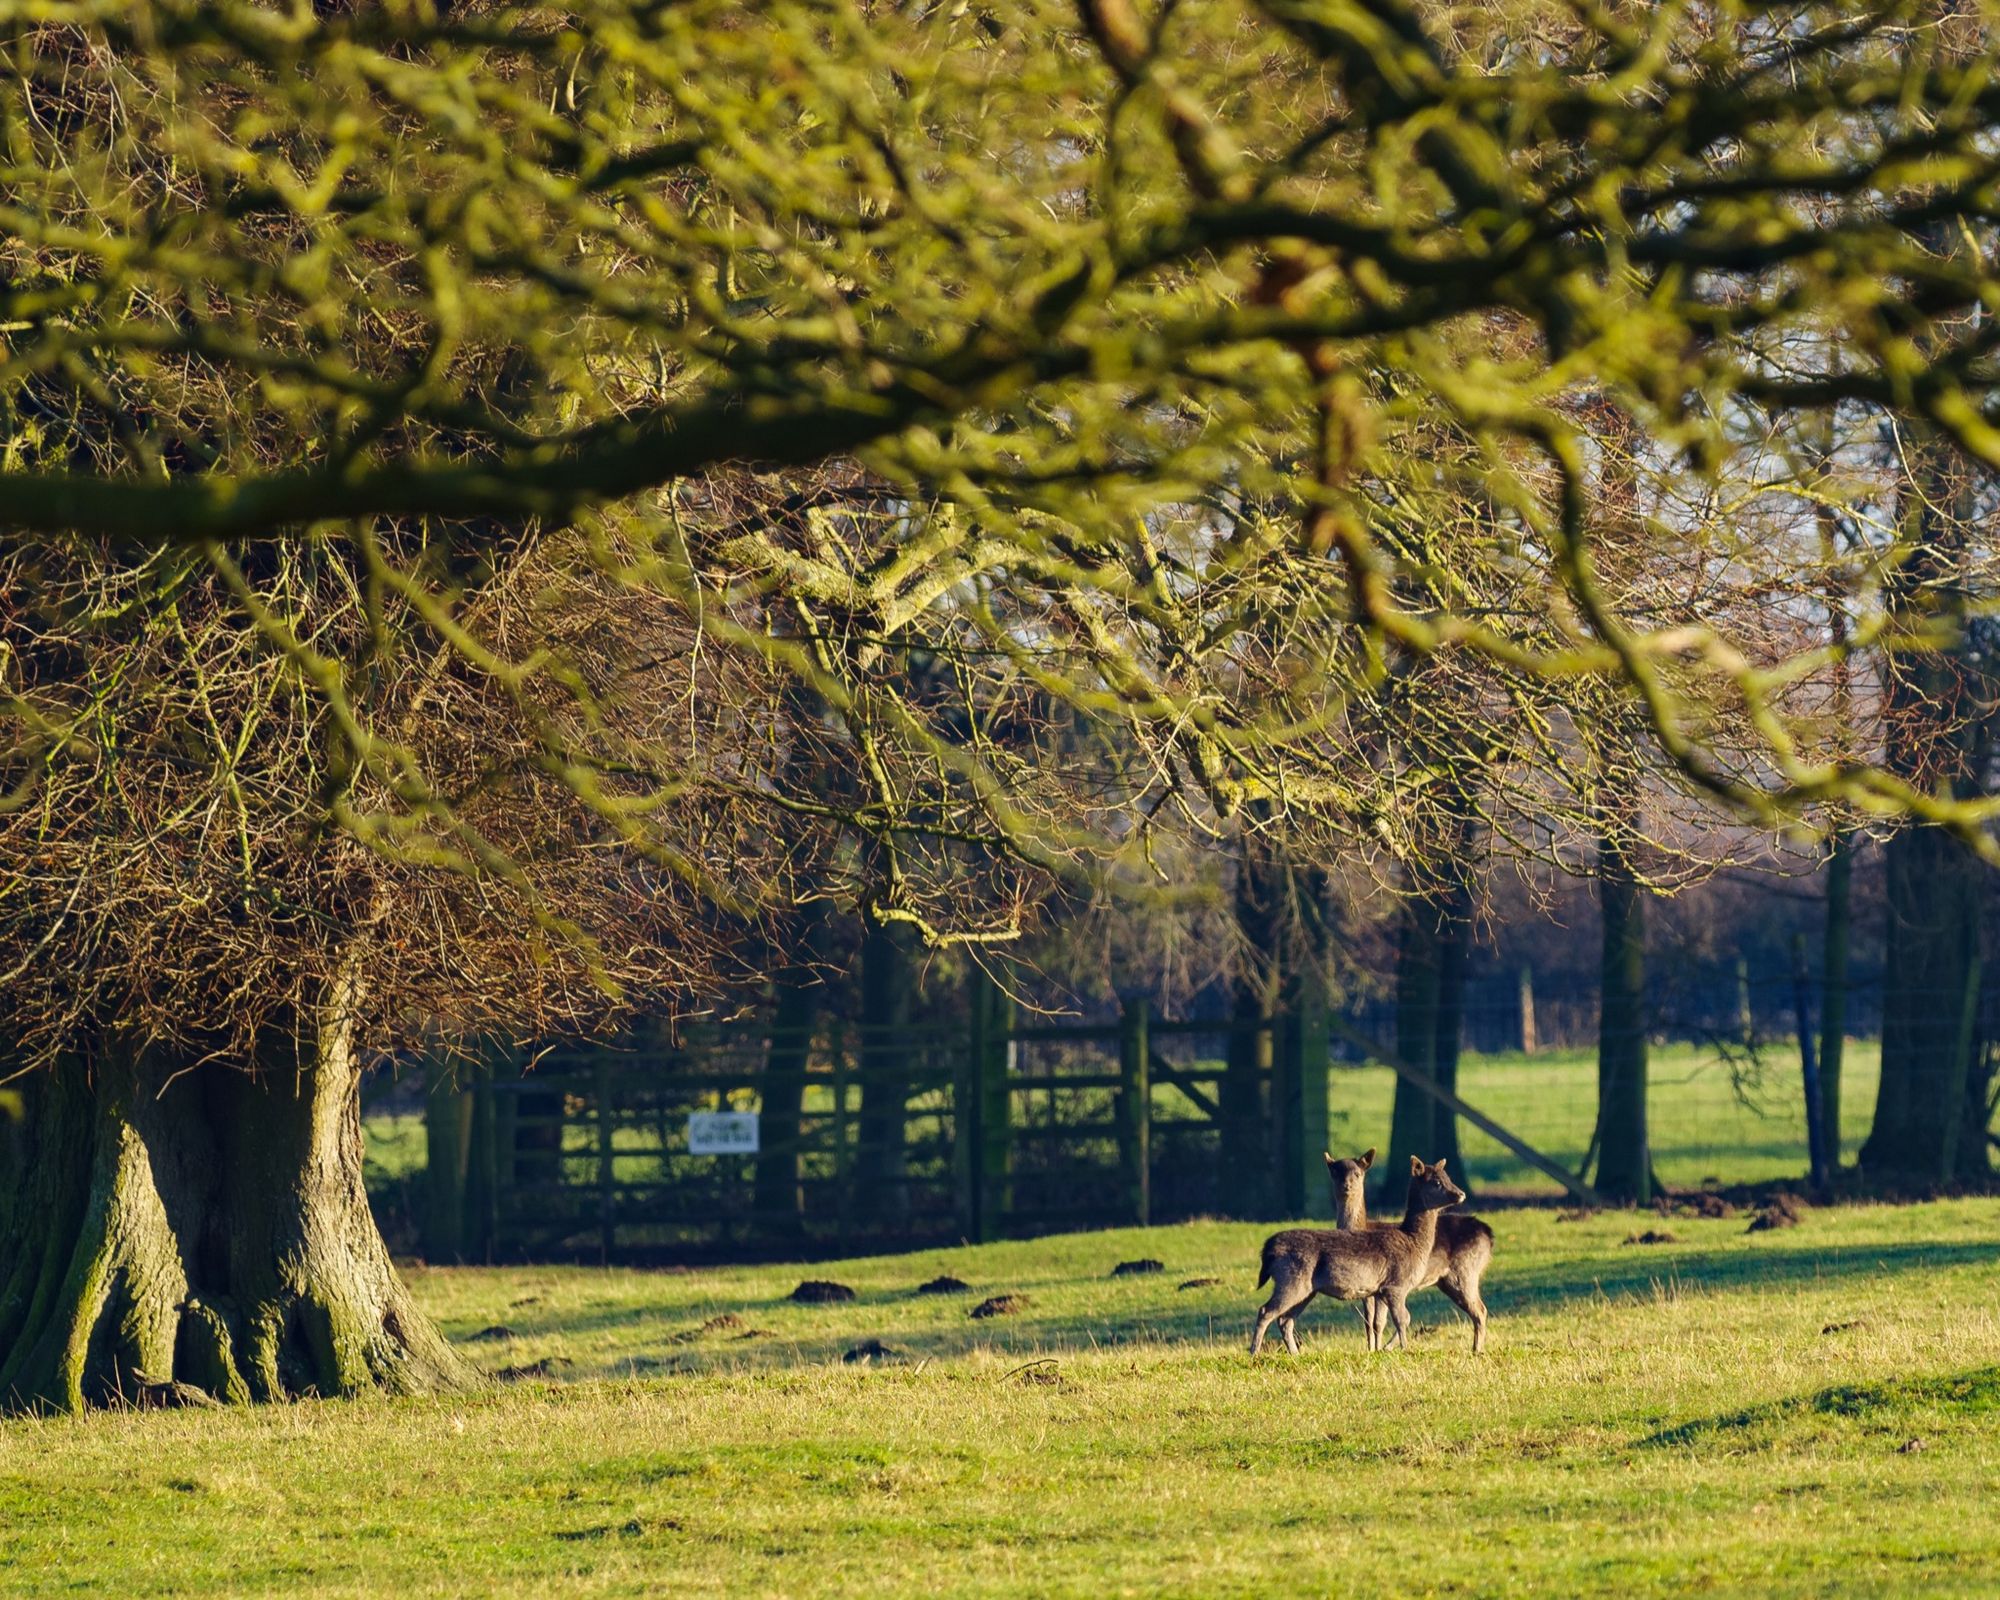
column 1459, row 1258
column 1356, row 1264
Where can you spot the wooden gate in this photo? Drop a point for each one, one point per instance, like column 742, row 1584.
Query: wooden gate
column 869, row 1139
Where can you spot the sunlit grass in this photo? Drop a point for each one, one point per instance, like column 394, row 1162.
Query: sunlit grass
column 1805, row 1412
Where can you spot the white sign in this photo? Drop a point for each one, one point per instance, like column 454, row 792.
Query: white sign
column 722, row 1133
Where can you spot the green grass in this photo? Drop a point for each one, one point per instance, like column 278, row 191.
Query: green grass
column 1702, row 1128
column 1649, row 1420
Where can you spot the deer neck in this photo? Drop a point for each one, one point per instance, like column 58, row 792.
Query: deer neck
column 1421, row 1224
column 1353, row 1213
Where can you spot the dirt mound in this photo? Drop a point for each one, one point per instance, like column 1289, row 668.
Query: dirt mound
column 1710, row 1205
column 1201, row 1283
column 1576, row 1215
column 1001, row 1305
column 721, row 1324
column 871, row 1350
column 1651, row 1236
column 945, row 1285
column 1780, row 1211
column 1843, row 1327
column 1138, row 1269
column 496, row 1334
column 820, row 1292
column 547, row 1367
column 756, row 1333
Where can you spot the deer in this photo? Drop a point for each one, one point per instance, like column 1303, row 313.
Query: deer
column 1355, row 1264
column 1459, row 1258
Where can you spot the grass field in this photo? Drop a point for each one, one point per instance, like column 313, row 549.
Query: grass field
column 1704, row 1125
column 1807, row 1412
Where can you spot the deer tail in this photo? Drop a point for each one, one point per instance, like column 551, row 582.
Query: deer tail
column 1264, row 1267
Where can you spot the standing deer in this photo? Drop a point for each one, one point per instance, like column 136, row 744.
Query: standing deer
column 1356, row 1264
column 1459, row 1258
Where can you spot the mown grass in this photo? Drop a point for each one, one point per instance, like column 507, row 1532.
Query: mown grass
column 1807, row 1412
column 1709, row 1121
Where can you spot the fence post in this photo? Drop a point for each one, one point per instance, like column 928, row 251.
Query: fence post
column 1135, row 1110
column 1530, row 1043
column 607, row 1196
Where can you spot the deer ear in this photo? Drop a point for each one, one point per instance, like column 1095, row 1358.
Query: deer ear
column 1440, row 1163
column 1326, row 1156
column 1368, row 1158
column 1416, row 1167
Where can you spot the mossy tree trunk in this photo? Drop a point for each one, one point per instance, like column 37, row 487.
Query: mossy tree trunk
column 171, row 1232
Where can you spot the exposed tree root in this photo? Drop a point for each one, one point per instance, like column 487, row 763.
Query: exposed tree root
column 203, row 1237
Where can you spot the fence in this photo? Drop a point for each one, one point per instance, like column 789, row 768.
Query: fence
column 997, row 1126
column 993, row 1128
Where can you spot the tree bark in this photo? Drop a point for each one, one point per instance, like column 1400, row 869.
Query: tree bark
column 1247, row 1155
column 795, row 1012
column 1624, row 1159
column 1833, row 1000
column 1419, row 969
column 888, row 987
column 1933, row 935
column 173, row 1236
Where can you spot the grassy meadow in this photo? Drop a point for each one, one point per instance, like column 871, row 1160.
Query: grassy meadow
column 1812, row 1411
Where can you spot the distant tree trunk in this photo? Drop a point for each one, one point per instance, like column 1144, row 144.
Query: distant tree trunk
column 1247, row 1157
column 1624, row 1153
column 1419, row 997
column 1454, row 947
column 1833, row 1000
column 1932, row 938
column 1431, row 958
column 204, row 1228
column 888, row 991
column 795, row 1012
column 1934, row 721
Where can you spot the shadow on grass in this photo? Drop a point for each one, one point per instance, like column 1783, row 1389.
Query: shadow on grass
column 1962, row 1393
column 1166, row 1315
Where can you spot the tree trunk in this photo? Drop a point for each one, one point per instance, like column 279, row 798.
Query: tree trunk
column 173, row 1235
column 1933, row 938
column 1833, row 1000
column 887, row 992
column 794, row 1015
column 1624, row 1159
column 1453, row 951
column 1430, row 994
column 1247, row 1157
column 1419, row 968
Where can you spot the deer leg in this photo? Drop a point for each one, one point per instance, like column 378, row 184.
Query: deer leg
column 1288, row 1324
column 1399, row 1313
column 1287, row 1295
column 1465, row 1296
